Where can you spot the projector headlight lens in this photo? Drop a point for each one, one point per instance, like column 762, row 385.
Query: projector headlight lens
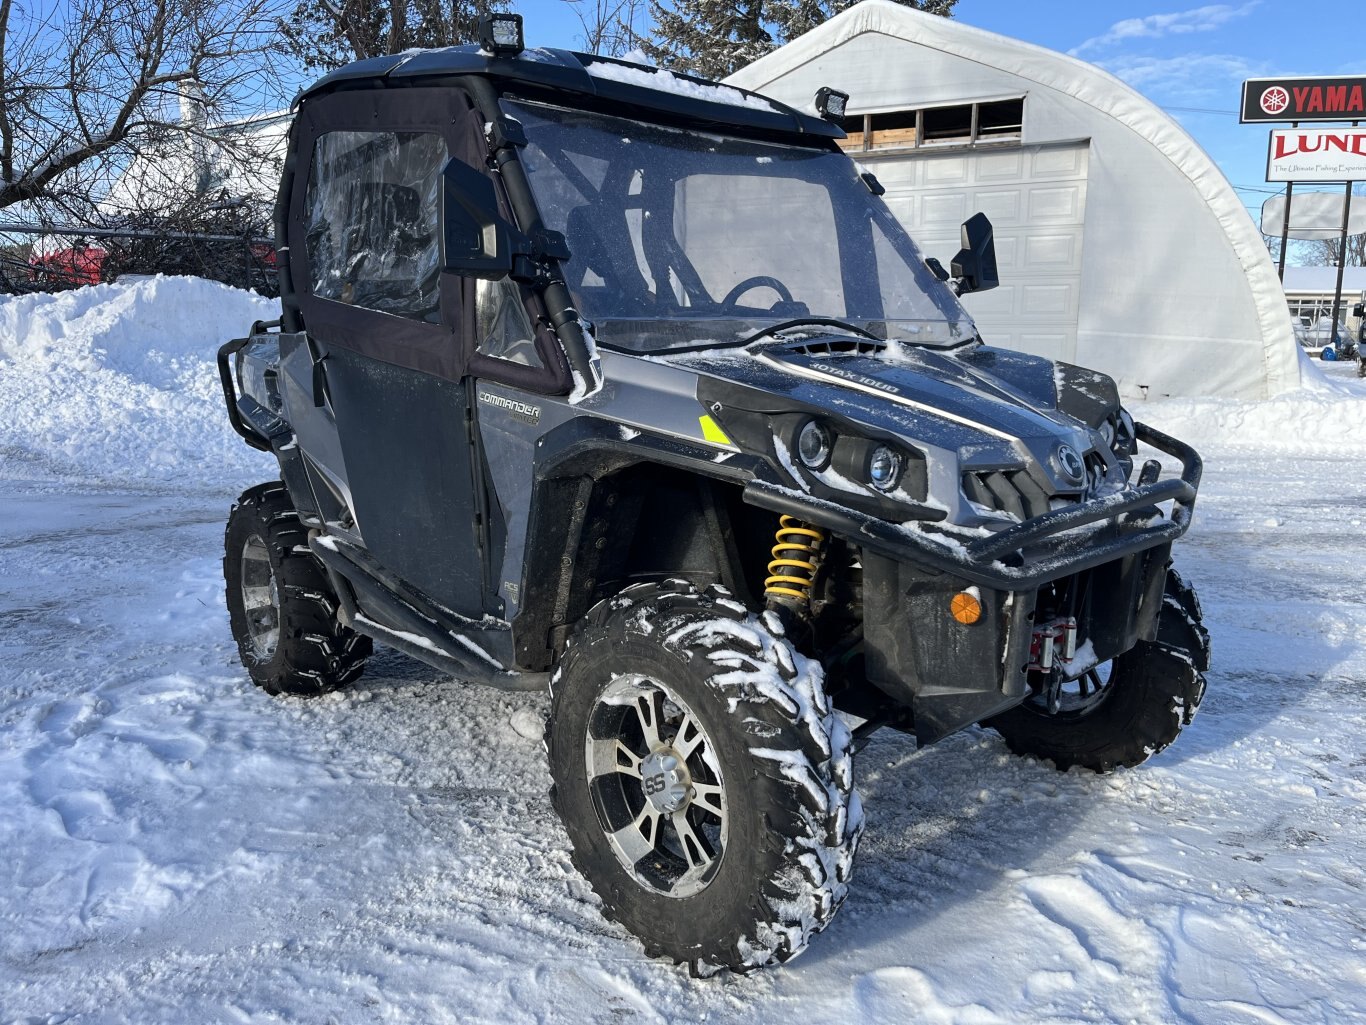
column 884, row 468
column 813, row 445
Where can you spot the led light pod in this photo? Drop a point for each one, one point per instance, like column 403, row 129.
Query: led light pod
column 831, row 104
column 501, row 34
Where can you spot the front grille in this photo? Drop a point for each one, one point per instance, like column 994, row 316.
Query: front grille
column 1009, row 491
column 1095, row 472
column 1015, row 493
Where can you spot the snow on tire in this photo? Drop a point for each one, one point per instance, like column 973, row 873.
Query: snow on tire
column 704, row 780
column 281, row 606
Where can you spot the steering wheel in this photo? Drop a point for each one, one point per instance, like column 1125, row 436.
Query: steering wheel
column 758, row 281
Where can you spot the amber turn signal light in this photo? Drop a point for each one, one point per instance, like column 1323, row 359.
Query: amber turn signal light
column 966, row 606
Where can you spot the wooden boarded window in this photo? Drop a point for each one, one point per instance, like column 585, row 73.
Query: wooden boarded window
column 962, row 124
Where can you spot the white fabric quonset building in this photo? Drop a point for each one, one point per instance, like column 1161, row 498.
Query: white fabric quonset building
column 1121, row 246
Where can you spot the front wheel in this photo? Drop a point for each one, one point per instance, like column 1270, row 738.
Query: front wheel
column 703, row 778
column 1127, row 710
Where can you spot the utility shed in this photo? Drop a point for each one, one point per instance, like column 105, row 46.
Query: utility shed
column 1121, row 245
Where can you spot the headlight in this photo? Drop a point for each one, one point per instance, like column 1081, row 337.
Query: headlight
column 813, row 446
column 884, row 468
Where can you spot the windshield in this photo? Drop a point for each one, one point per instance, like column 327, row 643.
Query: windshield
column 683, row 240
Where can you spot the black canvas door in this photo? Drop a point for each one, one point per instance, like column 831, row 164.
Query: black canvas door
column 386, row 322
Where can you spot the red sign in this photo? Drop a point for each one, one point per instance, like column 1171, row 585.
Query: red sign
column 1304, row 99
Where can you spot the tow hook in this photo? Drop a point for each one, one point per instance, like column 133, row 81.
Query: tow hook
column 1051, row 647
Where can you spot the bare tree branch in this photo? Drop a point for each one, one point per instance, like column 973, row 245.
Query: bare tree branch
column 609, row 26
column 85, row 86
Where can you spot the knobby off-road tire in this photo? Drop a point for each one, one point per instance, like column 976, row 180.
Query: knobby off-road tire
column 280, row 604
column 775, row 821
column 1153, row 692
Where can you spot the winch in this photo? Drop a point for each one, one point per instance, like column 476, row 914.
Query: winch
column 1052, row 642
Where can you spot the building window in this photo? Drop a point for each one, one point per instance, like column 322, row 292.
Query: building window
column 898, row 128
column 948, row 124
column 1003, row 119
column 962, row 124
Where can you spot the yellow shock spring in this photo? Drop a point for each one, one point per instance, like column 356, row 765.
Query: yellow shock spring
column 795, row 559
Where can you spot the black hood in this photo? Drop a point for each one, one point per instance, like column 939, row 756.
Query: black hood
column 952, row 399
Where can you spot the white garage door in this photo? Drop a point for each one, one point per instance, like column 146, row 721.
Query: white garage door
column 1036, row 199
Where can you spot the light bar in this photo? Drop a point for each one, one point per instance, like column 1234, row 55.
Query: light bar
column 831, row 104
column 501, row 34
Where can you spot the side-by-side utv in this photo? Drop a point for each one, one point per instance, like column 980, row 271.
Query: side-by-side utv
column 598, row 378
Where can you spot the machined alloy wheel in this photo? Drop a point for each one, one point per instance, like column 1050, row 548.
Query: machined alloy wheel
column 1081, row 696
column 260, row 597
column 703, row 778
column 656, row 785
column 281, row 605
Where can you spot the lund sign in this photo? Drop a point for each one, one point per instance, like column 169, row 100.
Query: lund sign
column 1304, row 99
column 1316, row 155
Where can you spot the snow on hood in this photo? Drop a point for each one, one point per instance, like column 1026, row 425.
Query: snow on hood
column 118, row 382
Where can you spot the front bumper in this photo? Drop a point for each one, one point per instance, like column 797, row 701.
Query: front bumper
column 952, row 675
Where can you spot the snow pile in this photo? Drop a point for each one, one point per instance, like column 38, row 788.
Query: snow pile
column 1325, row 417
column 118, row 382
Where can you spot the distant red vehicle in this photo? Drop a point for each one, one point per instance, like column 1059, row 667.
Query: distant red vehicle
column 81, row 264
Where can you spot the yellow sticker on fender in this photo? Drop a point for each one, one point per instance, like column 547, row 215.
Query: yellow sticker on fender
column 711, row 430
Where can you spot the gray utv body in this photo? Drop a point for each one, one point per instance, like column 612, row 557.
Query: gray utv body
column 566, row 344
column 471, row 508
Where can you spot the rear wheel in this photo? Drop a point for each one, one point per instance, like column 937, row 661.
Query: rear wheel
column 280, row 604
column 703, row 778
column 1124, row 711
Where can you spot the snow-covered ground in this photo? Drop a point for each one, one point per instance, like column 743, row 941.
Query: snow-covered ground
column 180, row 848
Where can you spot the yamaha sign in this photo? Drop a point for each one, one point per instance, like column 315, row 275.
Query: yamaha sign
column 1336, row 98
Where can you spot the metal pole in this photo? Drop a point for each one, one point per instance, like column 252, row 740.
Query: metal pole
column 1342, row 263
column 1285, row 230
column 1342, row 260
column 1285, row 224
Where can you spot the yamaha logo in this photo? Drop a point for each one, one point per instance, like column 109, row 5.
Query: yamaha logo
column 1071, row 465
column 1275, row 100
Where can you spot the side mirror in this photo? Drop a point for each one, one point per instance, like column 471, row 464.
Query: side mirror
column 475, row 240
column 1359, row 310
column 975, row 264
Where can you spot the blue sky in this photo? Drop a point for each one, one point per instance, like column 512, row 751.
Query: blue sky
column 1189, row 58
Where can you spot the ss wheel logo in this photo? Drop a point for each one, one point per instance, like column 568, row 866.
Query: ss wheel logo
column 655, row 784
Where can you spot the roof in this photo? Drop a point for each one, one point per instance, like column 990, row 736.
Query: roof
column 1325, row 279
column 614, row 82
